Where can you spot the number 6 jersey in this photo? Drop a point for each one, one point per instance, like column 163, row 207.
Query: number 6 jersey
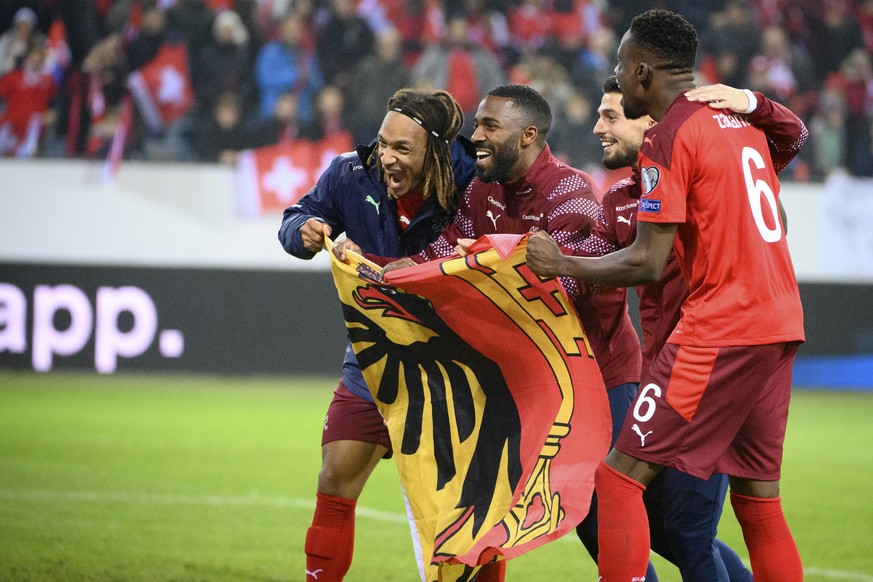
column 710, row 171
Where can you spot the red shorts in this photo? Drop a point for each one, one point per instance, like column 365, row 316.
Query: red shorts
column 713, row 410
column 351, row 418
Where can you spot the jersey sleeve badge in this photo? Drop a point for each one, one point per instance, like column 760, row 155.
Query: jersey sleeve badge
column 649, row 176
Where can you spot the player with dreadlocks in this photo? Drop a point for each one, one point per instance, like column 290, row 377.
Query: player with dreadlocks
column 392, row 198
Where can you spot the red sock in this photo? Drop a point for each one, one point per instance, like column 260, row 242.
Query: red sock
column 771, row 546
column 330, row 541
column 622, row 527
column 492, row 572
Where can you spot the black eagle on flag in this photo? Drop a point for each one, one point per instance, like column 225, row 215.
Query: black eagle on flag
column 495, row 406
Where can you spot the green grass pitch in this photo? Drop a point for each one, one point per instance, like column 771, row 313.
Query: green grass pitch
column 167, row 477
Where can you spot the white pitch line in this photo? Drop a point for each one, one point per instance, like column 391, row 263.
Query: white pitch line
column 256, row 499
column 251, row 499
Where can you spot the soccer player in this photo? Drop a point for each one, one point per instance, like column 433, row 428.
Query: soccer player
column 393, row 197
column 683, row 510
column 520, row 187
column 716, row 397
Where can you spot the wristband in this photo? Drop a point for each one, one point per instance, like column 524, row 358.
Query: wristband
column 753, row 101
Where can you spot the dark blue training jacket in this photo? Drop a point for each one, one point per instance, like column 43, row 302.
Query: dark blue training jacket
column 350, row 197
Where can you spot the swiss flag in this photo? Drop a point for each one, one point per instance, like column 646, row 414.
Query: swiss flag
column 272, row 178
column 162, row 88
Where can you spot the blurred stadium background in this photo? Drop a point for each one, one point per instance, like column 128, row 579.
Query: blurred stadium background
column 157, row 256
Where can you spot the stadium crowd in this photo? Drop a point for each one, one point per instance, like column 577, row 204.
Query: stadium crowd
column 260, row 72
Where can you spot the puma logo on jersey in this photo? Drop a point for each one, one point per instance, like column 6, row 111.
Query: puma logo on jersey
column 373, row 202
column 623, row 219
column 649, row 140
column 636, row 429
column 493, row 218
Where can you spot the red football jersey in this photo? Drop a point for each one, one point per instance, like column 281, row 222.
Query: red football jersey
column 711, row 173
column 561, row 201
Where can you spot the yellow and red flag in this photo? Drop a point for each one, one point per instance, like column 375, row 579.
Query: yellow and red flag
column 496, row 408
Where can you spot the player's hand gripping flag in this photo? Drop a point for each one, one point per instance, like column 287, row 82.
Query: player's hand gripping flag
column 496, row 408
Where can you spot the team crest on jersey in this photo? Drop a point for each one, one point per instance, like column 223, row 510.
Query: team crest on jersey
column 650, row 178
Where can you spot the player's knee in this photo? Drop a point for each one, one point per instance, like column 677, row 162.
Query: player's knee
column 332, row 480
column 339, row 480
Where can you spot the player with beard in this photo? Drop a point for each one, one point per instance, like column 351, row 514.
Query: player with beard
column 715, row 398
column 393, row 196
column 521, row 188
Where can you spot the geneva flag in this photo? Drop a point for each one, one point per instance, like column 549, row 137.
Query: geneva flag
column 496, row 408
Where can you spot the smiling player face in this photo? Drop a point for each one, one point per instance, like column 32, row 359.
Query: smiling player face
column 401, row 144
column 498, row 141
column 620, row 137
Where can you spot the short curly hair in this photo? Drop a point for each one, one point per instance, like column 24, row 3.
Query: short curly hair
column 532, row 107
column 610, row 85
column 665, row 37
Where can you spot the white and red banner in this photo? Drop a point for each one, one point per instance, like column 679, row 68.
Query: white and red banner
column 162, row 88
column 272, row 178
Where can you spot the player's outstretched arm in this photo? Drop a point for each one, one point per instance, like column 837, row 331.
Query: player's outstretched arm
column 786, row 133
column 721, row 97
column 641, row 263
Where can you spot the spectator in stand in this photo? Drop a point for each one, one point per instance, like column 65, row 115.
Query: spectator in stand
column 420, row 23
column 373, row 81
column 539, row 70
column 833, row 36
column 488, row 28
column 827, row 132
column 595, row 62
column 248, row 13
column 572, row 22
column 329, row 118
column 106, row 77
column 223, row 134
column 280, row 128
column 286, row 64
column 729, row 43
column 781, row 68
column 82, row 26
column 865, row 21
column 572, row 136
column 530, row 24
column 27, row 93
column 192, row 20
column 343, row 41
column 15, row 42
column 224, row 64
column 855, row 79
column 464, row 69
column 145, row 44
